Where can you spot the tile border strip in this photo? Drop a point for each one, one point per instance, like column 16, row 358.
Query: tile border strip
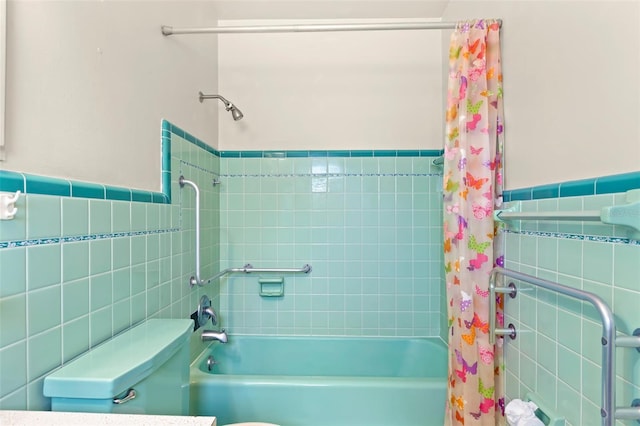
column 73, row 239
column 331, row 175
column 34, row 184
column 577, row 188
column 11, row 181
column 579, row 237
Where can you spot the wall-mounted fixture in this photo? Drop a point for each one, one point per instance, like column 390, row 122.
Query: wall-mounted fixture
column 8, row 208
column 235, row 112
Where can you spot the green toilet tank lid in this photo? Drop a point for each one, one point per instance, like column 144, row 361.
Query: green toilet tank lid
column 117, row 364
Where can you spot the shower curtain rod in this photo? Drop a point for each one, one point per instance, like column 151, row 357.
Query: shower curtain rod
column 169, row 30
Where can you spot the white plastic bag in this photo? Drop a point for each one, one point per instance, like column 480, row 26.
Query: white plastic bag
column 522, row 413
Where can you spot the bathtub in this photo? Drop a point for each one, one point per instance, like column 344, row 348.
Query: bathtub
column 314, row 381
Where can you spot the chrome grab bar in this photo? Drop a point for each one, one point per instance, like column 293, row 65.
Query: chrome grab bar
column 182, row 181
column 608, row 331
column 627, row 214
column 248, row 268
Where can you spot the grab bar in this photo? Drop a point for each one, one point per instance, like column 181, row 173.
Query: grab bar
column 624, row 215
column 608, row 335
column 248, row 268
column 182, row 181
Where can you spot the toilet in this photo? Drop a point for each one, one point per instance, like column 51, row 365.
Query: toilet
column 144, row 370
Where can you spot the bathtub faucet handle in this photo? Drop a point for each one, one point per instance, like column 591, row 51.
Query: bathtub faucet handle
column 206, row 311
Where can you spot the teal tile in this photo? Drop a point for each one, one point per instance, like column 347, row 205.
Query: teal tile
column 618, row 183
column 43, row 266
column 546, row 387
column 141, row 196
column 13, row 319
column 597, row 261
column 153, row 301
column 121, row 284
column 591, row 388
column 75, row 260
column 545, row 191
column 115, row 193
column 153, row 216
column 75, row 299
column 101, row 326
column 138, row 249
column 121, row 315
column 100, row 256
column 625, row 306
column 49, row 343
column 120, row 216
column 15, row 401
column 47, row 185
column 138, row 217
column 547, row 320
column 153, row 247
column 520, row 194
column 568, row 401
column 548, row 253
column 47, row 302
column 75, row 217
column 16, row 228
column 138, row 308
column 101, row 291
column 11, row 181
column 36, row 401
column 75, row 338
column 625, row 264
column 578, row 188
column 121, row 252
column 138, row 279
column 99, row 217
column 87, row 190
column 43, row 219
column 569, row 367
column 13, row 368
column 570, row 257
column 567, row 303
column 13, row 271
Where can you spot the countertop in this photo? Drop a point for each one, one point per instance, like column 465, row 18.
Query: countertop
column 9, row 417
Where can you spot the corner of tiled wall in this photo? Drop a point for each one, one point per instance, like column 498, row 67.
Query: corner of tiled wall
column 557, row 354
column 82, row 262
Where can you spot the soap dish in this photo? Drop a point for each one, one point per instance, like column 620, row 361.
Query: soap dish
column 271, row 287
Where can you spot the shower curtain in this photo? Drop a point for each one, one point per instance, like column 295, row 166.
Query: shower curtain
column 472, row 188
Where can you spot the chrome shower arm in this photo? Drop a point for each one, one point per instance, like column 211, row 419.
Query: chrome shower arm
column 235, row 112
column 226, row 103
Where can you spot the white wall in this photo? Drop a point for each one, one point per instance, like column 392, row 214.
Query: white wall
column 571, row 91
column 88, row 83
column 326, row 91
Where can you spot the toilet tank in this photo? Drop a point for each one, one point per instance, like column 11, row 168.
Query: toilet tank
column 149, row 361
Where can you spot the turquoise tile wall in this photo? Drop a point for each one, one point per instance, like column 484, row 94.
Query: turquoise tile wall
column 557, row 352
column 370, row 226
column 82, row 262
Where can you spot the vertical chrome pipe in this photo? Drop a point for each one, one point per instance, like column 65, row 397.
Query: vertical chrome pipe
column 182, row 181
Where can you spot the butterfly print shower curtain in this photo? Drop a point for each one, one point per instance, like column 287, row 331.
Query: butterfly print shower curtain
column 472, row 189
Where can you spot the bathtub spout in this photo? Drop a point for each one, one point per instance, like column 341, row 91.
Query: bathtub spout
column 220, row 336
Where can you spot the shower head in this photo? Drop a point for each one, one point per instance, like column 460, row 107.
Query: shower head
column 235, row 112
